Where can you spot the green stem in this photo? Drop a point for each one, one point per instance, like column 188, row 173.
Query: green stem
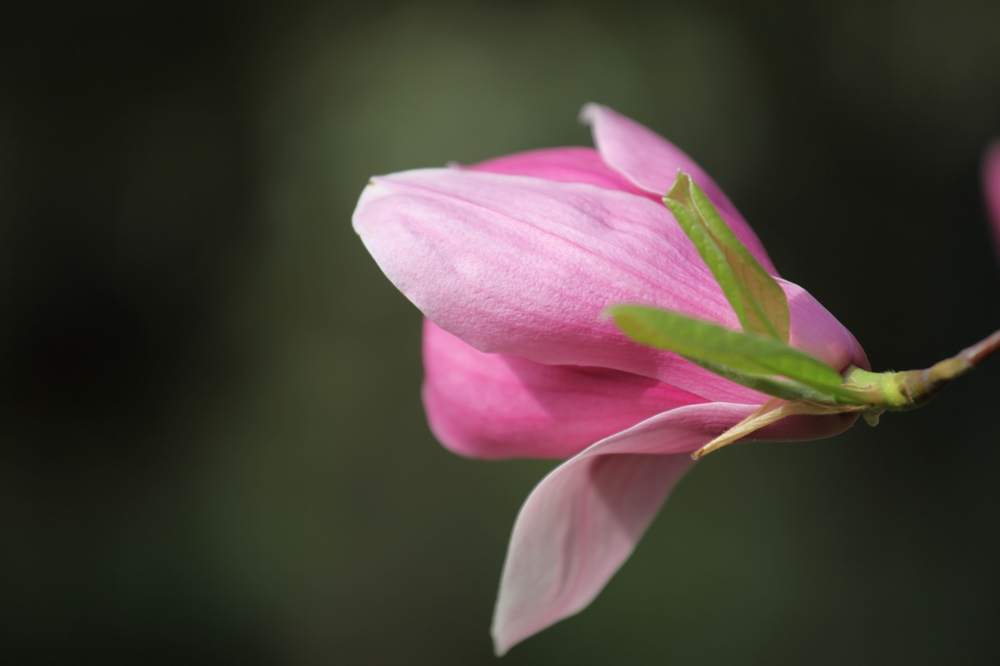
column 898, row 391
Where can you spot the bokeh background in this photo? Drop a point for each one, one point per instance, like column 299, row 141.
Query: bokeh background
column 212, row 448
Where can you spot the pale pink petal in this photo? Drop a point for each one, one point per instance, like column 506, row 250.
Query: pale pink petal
column 991, row 189
column 651, row 162
column 573, row 534
column 563, row 165
column 518, row 265
column 501, row 406
column 582, row 521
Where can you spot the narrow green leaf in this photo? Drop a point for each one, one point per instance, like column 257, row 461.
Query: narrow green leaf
column 758, row 300
column 786, row 389
column 710, row 344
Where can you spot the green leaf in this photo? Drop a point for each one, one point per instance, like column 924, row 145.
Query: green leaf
column 786, row 389
column 759, row 301
column 741, row 357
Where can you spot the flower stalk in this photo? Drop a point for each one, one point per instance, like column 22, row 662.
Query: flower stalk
column 900, row 391
column 880, row 391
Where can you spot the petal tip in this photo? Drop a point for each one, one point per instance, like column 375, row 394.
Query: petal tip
column 505, row 633
column 500, row 646
column 992, row 150
column 589, row 112
column 991, row 167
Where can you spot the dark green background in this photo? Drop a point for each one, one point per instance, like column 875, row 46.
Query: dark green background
column 212, row 448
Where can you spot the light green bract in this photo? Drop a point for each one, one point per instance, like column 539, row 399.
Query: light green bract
column 759, row 357
column 759, row 301
column 750, row 360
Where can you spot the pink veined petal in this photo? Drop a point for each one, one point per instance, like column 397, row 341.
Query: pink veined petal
column 651, row 162
column 518, row 265
column 562, row 165
column 582, row 521
column 500, row 406
column 991, row 189
column 573, row 534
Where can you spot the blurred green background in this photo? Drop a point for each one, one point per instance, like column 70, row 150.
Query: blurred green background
column 212, row 448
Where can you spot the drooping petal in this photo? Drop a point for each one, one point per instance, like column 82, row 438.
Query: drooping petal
column 518, row 265
column 582, row 521
column 563, row 165
column 500, row 406
column 573, row 534
column 991, row 189
column 651, row 162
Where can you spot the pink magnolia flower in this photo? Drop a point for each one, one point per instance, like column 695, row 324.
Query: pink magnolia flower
column 991, row 189
column 513, row 261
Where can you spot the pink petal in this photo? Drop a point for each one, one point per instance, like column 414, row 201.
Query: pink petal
column 573, row 534
column 991, row 189
column 582, row 521
column 651, row 162
column 522, row 266
column 563, row 165
column 501, row 406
